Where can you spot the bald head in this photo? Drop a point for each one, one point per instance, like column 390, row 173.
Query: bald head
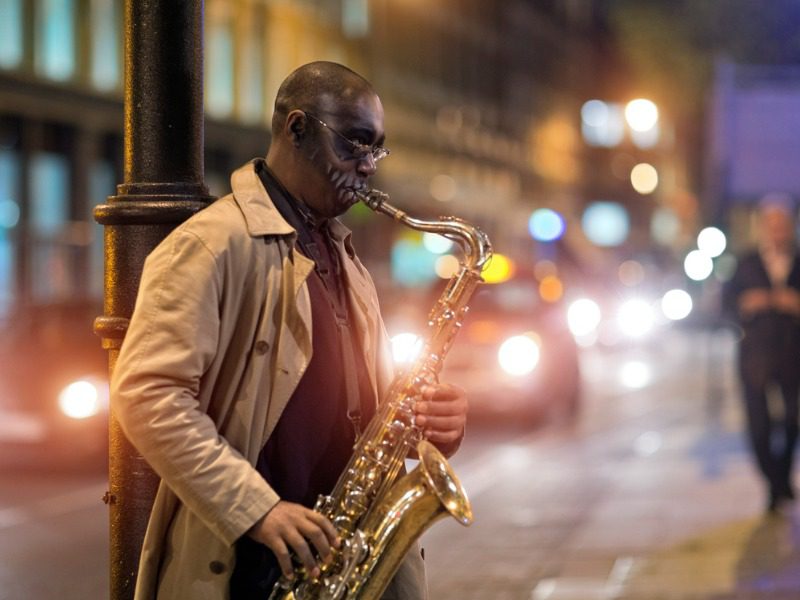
column 315, row 87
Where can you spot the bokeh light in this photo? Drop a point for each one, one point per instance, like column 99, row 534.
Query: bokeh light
column 665, row 227
column 79, row 400
column 635, row 374
column 641, row 114
column 606, row 223
column 725, row 267
column 602, row 123
column 446, row 266
column 698, row 265
column 412, row 265
column 435, row 243
column 519, row 354
column 644, row 178
column 631, row 273
column 499, row 268
column 443, row 187
column 711, row 241
column 676, row 304
column 583, row 317
column 551, row 289
column 635, row 317
column 546, row 225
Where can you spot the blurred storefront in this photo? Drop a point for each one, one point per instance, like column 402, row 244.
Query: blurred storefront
column 481, row 101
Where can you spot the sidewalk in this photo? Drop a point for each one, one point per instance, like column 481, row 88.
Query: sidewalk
column 651, row 496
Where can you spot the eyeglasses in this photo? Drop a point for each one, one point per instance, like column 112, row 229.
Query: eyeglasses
column 357, row 151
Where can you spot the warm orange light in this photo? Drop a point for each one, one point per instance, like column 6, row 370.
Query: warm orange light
column 551, row 289
column 446, row 266
column 483, row 332
column 499, row 269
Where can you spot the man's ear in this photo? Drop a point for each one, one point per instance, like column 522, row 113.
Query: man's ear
column 296, row 126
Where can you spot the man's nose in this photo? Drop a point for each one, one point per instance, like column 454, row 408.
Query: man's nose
column 367, row 165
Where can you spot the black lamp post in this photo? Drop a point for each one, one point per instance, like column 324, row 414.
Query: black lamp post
column 163, row 185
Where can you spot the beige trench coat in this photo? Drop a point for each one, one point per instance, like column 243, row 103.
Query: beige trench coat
column 220, row 336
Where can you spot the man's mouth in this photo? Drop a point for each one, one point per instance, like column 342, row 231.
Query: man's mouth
column 346, row 185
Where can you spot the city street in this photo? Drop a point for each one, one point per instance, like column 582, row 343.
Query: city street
column 649, row 495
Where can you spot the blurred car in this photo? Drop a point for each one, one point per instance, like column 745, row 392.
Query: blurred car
column 515, row 355
column 53, row 387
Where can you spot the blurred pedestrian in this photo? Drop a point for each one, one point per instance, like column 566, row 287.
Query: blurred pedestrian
column 764, row 296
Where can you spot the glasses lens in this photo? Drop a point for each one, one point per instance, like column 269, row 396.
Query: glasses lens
column 379, row 153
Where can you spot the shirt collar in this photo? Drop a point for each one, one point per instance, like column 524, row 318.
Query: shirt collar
column 260, row 214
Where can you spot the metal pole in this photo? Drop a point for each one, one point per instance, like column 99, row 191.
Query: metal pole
column 163, row 185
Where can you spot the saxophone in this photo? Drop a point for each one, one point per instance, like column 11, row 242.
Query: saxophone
column 377, row 515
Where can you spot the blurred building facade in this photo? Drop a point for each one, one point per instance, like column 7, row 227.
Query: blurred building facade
column 753, row 148
column 482, row 115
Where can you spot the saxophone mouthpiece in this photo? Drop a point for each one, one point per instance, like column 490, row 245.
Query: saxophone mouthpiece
column 372, row 198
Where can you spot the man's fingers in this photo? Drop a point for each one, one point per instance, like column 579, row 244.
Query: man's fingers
column 442, row 423
column 326, row 526
column 302, row 551
column 317, row 536
column 442, row 437
column 281, row 552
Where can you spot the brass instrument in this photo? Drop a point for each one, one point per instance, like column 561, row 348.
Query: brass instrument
column 377, row 516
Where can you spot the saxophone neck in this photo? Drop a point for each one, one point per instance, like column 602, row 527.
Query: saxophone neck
column 473, row 242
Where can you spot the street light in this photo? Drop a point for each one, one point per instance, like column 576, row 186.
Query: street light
column 641, row 114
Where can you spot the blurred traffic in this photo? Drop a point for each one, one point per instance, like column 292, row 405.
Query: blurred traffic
column 53, row 376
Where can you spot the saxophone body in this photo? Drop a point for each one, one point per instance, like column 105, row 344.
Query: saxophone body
column 377, row 510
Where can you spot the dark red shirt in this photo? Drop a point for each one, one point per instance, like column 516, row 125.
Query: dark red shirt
column 313, row 439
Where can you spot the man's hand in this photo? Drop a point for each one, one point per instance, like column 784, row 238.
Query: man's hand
column 786, row 300
column 291, row 526
column 755, row 300
column 442, row 414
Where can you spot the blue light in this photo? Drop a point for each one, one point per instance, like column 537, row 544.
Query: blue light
column 546, row 225
column 412, row 265
column 606, row 223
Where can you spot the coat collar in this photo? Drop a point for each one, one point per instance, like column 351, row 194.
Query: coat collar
column 260, row 214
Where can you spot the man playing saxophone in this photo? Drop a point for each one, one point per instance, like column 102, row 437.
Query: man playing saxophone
column 256, row 354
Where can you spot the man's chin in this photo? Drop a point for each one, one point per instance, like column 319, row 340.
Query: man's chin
column 347, row 198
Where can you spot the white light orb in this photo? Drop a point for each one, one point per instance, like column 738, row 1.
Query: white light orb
column 711, row 241
column 676, row 304
column 519, row 355
column 635, row 318
column 79, row 400
column 641, row 114
column 635, row 374
column 698, row 265
column 583, row 317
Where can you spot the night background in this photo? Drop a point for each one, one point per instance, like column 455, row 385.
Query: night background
column 614, row 151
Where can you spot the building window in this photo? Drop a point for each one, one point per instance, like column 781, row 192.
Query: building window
column 105, row 44
column 9, row 218
column 355, row 18
column 49, row 187
column 10, row 33
column 251, row 71
column 54, row 41
column 219, row 60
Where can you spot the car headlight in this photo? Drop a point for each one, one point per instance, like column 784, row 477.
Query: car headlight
column 83, row 398
column 635, row 318
column 519, row 354
column 583, row 317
